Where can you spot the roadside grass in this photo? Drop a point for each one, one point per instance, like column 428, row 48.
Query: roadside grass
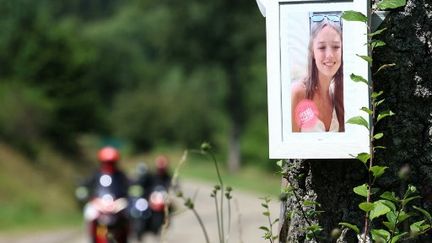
column 34, row 194
column 198, row 167
column 39, row 195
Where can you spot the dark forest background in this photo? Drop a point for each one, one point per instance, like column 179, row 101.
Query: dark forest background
column 141, row 73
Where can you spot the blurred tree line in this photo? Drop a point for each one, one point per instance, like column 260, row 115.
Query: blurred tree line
column 148, row 72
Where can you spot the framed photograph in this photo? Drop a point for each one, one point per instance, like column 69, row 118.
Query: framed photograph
column 311, row 53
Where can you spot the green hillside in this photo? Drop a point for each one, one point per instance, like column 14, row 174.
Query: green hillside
column 36, row 193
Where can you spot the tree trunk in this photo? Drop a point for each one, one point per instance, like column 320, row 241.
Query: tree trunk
column 407, row 135
column 234, row 149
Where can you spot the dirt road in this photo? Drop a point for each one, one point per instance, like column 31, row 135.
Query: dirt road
column 184, row 228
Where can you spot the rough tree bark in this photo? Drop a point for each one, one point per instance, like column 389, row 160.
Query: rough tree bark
column 408, row 135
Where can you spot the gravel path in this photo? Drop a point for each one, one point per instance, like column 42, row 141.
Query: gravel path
column 184, row 228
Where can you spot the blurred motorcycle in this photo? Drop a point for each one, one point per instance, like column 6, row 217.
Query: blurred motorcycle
column 139, row 211
column 107, row 218
column 158, row 202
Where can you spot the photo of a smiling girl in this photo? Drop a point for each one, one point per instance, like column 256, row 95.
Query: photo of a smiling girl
column 317, row 99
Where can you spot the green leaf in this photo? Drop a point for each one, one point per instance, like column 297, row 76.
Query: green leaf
column 375, row 94
column 363, row 157
column 264, row 228
column 378, row 234
column 361, row 190
column 354, row 16
column 391, row 4
column 279, row 163
column 379, row 102
column 403, row 216
column 389, row 225
column 366, row 206
column 379, row 147
column 385, row 66
column 390, row 196
column 266, row 213
column 416, row 227
column 357, row 78
column 379, row 209
column 310, row 203
column 384, row 114
column 377, row 43
column 264, row 205
column 351, row 226
column 314, row 228
column 378, row 136
column 358, row 120
column 378, row 171
column 377, row 32
column 366, row 58
column 367, row 110
column 407, row 200
column 391, row 217
column 390, row 204
column 424, row 212
column 396, row 238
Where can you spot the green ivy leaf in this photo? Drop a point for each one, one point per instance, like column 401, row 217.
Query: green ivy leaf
column 357, row 78
column 378, row 136
column 396, row 238
column 363, row 157
column 279, row 163
column 361, row 190
column 407, row 200
column 379, row 147
column 314, row 228
column 367, row 110
column 310, row 203
column 391, row 4
column 375, row 95
column 379, row 209
column 354, row 16
column 424, row 212
column 377, row 32
column 366, row 58
column 384, row 114
column 351, row 226
column 389, row 225
column 379, row 102
column 391, row 217
column 390, row 196
column 417, row 227
column 403, row 216
column 264, row 228
column 377, row 43
column 385, row 66
column 378, row 171
column 390, row 204
column 358, row 120
column 380, row 234
column 366, row 206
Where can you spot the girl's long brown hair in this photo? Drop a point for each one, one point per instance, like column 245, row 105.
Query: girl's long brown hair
column 311, row 80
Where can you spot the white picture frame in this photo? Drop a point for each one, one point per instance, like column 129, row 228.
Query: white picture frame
column 287, row 25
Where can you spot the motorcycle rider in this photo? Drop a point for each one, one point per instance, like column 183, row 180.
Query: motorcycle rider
column 108, row 157
column 108, row 180
column 163, row 176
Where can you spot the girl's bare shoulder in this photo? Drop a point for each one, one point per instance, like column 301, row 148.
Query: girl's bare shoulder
column 298, row 90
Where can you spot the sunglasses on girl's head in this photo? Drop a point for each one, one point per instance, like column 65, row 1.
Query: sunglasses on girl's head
column 321, row 17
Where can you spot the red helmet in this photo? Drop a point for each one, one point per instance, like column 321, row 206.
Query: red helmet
column 108, row 154
column 161, row 162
